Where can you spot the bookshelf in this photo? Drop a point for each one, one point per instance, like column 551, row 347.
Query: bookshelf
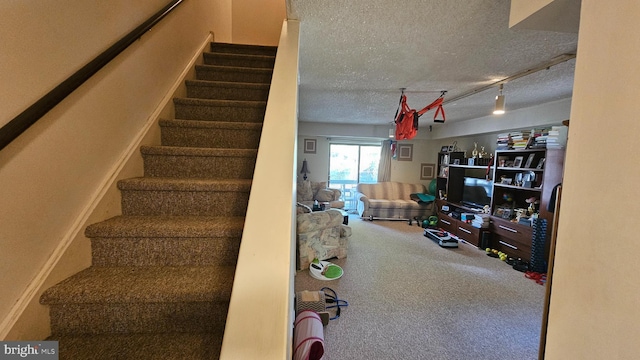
column 520, row 176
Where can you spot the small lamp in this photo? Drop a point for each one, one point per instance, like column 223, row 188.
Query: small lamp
column 305, row 169
column 499, row 109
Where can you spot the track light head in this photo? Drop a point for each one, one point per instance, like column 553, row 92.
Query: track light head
column 499, row 109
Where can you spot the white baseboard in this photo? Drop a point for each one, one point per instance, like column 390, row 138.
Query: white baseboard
column 35, row 287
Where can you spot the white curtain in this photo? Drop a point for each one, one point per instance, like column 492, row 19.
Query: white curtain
column 384, row 168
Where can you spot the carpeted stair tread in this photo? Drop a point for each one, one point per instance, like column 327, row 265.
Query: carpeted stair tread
column 197, row 151
column 245, row 60
column 179, row 123
column 215, row 52
column 178, row 184
column 220, row 103
column 164, row 346
column 243, row 49
column 217, row 110
column 240, row 69
column 233, row 74
column 228, row 84
column 225, row 90
column 211, row 134
column 167, row 226
column 153, row 284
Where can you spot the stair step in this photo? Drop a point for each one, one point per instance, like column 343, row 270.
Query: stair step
column 165, row 241
column 101, row 300
column 191, row 162
column 239, row 60
column 219, row 110
column 211, row 134
column 167, row 346
column 187, row 197
column 167, row 226
column 243, row 49
column 233, row 74
column 96, row 285
column 225, row 90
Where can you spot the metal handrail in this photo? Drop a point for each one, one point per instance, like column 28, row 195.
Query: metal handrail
column 38, row 109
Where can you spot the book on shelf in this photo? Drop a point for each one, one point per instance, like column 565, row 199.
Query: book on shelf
column 530, row 139
column 504, row 141
column 480, row 221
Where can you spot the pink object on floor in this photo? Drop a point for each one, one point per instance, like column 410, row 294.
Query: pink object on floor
column 308, row 336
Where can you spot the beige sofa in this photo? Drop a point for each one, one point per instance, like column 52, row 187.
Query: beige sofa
column 320, row 234
column 391, row 200
column 310, row 191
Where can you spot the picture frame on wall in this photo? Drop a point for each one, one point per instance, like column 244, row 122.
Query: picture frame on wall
column 427, row 171
column 405, row 152
column 310, row 146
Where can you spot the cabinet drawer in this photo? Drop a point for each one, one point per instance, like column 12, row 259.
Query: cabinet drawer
column 512, row 247
column 447, row 223
column 510, row 230
column 468, row 233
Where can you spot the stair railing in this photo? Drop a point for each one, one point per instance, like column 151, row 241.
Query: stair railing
column 38, row 109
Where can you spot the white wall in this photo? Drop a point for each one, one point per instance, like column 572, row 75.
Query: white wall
column 54, row 174
column 257, row 21
column 594, row 298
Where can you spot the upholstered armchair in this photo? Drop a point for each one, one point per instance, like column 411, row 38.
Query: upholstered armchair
column 310, row 191
column 322, row 235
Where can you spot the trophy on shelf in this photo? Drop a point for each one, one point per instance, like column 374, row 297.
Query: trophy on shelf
column 482, row 153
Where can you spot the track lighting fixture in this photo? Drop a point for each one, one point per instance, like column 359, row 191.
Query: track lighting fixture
column 499, row 109
column 392, row 133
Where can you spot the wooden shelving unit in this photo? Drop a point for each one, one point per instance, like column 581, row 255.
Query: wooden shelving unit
column 520, row 175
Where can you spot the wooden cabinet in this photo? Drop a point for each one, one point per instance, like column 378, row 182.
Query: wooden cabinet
column 452, row 169
column 468, row 233
column 457, row 227
column 444, row 160
column 520, row 176
column 511, row 238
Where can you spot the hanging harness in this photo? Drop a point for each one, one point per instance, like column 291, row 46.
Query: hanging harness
column 406, row 119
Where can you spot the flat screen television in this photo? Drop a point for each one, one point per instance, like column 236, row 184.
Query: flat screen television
column 476, row 192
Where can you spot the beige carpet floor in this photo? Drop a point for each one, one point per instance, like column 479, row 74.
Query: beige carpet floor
column 411, row 299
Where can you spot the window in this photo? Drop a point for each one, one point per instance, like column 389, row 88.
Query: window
column 350, row 165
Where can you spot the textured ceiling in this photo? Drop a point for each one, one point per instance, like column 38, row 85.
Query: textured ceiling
column 355, row 56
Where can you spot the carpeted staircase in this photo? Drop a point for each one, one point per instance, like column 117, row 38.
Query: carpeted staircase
column 161, row 275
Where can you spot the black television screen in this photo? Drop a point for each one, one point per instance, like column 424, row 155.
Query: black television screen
column 477, row 192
